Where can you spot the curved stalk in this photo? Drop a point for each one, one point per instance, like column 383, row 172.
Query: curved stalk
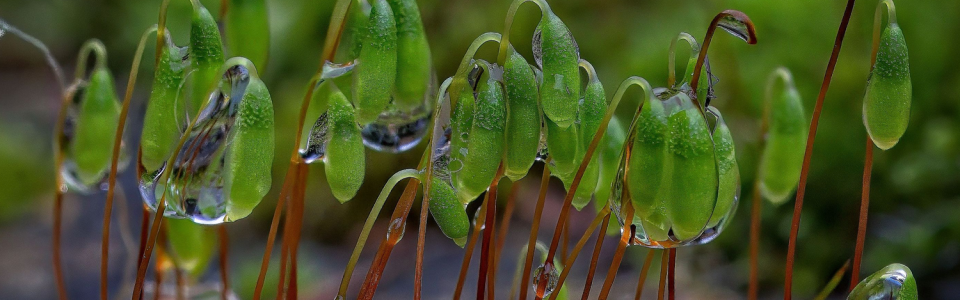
column 508, row 22
column 568, row 199
column 459, row 78
column 97, row 47
column 643, row 274
column 808, row 152
column 868, row 154
column 672, row 58
column 59, row 190
column 48, row 57
column 99, row 52
column 750, row 36
column 335, row 31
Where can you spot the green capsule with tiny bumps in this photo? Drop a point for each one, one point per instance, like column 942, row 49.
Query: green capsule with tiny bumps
column 249, row 159
column 448, row 211
column 609, row 151
column 206, row 57
column 782, row 156
column 563, row 146
column 592, row 110
column 647, row 169
column 523, row 116
column 96, row 127
column 886, row 105
column 377, row 69
column 248, row 30
column 484, row 150
column 164, row 116
column 413, row 55
column 558, row 55
column 729, row 181
column 191, row 245
column 691, row 189
column 461, row 122
column 345, row 161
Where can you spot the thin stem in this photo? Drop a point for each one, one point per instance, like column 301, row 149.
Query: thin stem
column 100, row 54
column 508, row 22
column 671, row 284
column 297, row 216
column 489, row 230
column 663, row 275
column 144, row 225
column 588, row 284
column 602, row 215
column 51, row 62
column 117, row 141
column 750, row 37
column 224, row 7
column 224, row 239
column 532, row 241
column 568, row 199
column 274, row 223
column 368, row 224
column 161, row 29
column 59, row 190
column 864, row 209
column 643, row 274
column 672, row 58
column 808, row 152
column 877, row 21
column 615, row 265
column 335, row 31
column 460, row 77
column 465, row 265
column 834, row 281
column 507, row 215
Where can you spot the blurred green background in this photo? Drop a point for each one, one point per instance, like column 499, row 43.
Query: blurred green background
column 915, row 200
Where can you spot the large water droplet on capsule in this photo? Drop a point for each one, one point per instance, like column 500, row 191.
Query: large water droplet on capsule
column 193, row 187
column 739, row 25
column 397, row 131
column 317, row 141
column 894, row 282
column 73, row 178
column 549, row 276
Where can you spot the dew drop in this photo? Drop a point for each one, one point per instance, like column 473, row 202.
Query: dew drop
column 551, row 276
column 73, row 178
column 317, row 141
column 736, row 24
column 398, row 132
column 894, row 282
column 542, row 152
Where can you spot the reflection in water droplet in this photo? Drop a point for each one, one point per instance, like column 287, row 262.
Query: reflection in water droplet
column 194, row 187
column 73, row 179
column 317, row 141
column 397, row 225
column 537, row 45
column 735, row 26
column 542, row 152
column 396, row 131
column 549, row 273
column 894, row 282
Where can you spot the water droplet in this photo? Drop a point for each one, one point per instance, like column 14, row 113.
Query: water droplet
column 537, row 45
column 894, row 282
column 317, row 141
column 73, row 178
column 735, row 23
column 397, row 225
column 396, row 131
column 548, row 274
column 194, row 186
column 542, row 152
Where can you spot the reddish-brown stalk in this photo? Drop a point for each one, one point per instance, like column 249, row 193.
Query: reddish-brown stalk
column 59, row 189
column 750, row 38
column 565, row 240
column 672, row 281
column 421, row 239
column 144, row 226
column 755, row 241
column 625, row 236
column 507, row 215
column 489, row 230
column 224, row 252
column 663, row 275
column 534, row 227
column 808, row 152
column 864, row 209
column 394, row 234
column 643, row 274
column 595, row 258
column 271, row 236
column 465, row 265
column 297, row 230
column 570, row 260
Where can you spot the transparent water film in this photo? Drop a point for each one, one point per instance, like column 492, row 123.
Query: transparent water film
column 736, row 23
column 399, row 127
column 679, row 173
column 894, row 282
column 551, row 274
column 314, row 144
column 201, row 291
column 193, row 189
column 74, row 178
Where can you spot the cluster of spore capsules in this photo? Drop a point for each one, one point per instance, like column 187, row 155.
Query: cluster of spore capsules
column 670, row 174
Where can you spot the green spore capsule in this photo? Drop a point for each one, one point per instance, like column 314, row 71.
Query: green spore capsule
column 165, row 110
column 691, row 189
column 563, row 146
column 206, row 57
column 377, row 69
column 191, row 245
column 523, row 116
column 461, row 123
column 591, row 112
column 413, row 55
column 356, row 28
column 609, row 152
column 249, row 158
column 484, row 150
column 248, row 30
column 345, row 162
column 448, row 211
column 558, row 55
column 886, row 105
column 96, row 128
column 895, row 282
column 729, row 189
column 782, row 156
column 648, row 172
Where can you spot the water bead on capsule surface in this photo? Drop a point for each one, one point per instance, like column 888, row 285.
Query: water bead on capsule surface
column 89, row 131
column 886, row 105
column 377, row 68
column 523, row 116
column 345, row 161
column 165, row 115
column 893, row 282
column 592, row 110
column 558, row 55
column 206, row 56
column 484, row 146
column 786, row 140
